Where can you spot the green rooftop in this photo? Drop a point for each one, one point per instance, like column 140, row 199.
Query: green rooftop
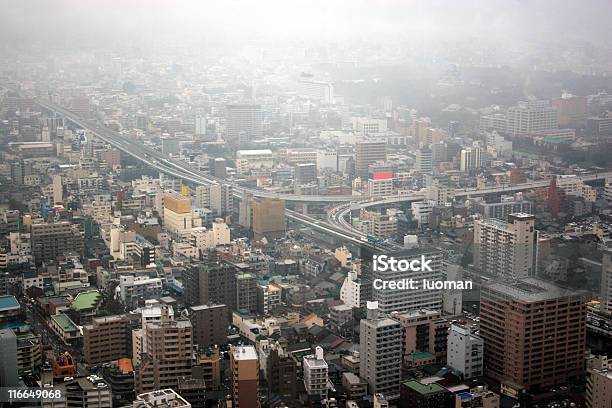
column 86, row 300
column 420, row 356
column 64, row 322
column 424, row 389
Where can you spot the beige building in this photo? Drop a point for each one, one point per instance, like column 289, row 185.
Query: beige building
column 245, row 376
column 268, row 218
column 599, row 383
column 178, row 218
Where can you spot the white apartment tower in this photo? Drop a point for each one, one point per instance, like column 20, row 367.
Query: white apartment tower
column 506, row 249
column 315, row 373
column 464, row 351
column 380, row 349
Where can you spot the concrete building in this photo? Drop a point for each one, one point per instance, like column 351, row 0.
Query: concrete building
column 406, row 300
column 506, row 249
column 352, row 291
column 465, row 351
column 305, row 173
column 318, row 91
column 88, row 392
column 244, row 123
column 572, row 110
column 534, row 333
column 368, row 152
column 268, row 218
column 135, row 289
column 424, row 160
column 48, row 240
column 210, row 324
column 315, row 374
column 210, row 283
column 380, row 344
column 246, row 292
column 167, row 353
column 245, row 376
column 178, row 219
column 599, row 383
column 529, row 117
column 425, row 331
column 108, row 339
column 506, row 206
column 471, row 159
column 160, row 398
column 8, row 352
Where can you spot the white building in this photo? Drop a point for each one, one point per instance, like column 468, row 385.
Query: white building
column 506, row 248
column 380, row 350
column 351, row 290
column 315, row 374
column 465, row 351
column 471, row 158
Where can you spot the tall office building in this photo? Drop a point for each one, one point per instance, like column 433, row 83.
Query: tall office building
column 48, row 240
column 471, row 159
column 368, row 152
column 424, row 160
column 268, row 218
column 209, row 324
column 167, row 352
column 465, row 351
column 534, row 333
column 406, row 300
column 380, row 345
column 245, row 376
column 8, row 353
column 217, row 167
column 244, row 123
column 316, row 374
column 606, row 282
column 210, row 283
column 506, row 249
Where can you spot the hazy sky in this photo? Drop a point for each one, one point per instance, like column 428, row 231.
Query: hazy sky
column 316, row 21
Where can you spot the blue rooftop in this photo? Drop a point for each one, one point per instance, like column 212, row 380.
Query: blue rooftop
column 8, row 302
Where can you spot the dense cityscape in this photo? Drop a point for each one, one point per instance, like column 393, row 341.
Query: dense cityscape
column 300, row 216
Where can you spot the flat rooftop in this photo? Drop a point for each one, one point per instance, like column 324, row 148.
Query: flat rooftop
column 8, row 302
column 244, row 353
column 533, row 290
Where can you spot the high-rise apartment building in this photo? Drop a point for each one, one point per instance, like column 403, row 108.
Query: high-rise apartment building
column 280, row 374
column 167, row 353
column 503, row 208
column 48, row 240
column 244, row 123
column 58, row 189
column 222, row 199
column 368, row 152
column 425, row 331
column 316, row 374
column 534, row 333
column 506, row 249
column 246, row 292
column 406, row 300
column 8, row 352
column 108, row 339
column 424, row 160
column 209, row 324
column 245, row 376
column 268, row 218
column 380, row 345
column 465, row 351
column 209, row 283
column 471, row 159
column 599, row 382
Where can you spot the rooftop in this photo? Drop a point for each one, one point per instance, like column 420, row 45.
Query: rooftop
column 533, row 290
column 8, row 303
column 64, row 322
column 86, row 300
column 424, row 389
column 244, row 353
